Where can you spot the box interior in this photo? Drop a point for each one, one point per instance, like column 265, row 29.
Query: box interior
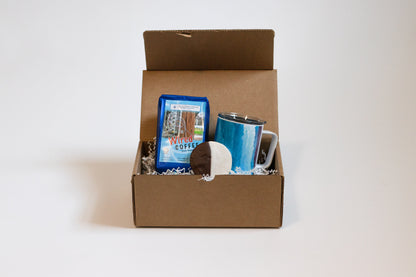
column 252, row 92
column 144, row 151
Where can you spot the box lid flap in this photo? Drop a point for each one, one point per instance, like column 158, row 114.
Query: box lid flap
column 209, row 49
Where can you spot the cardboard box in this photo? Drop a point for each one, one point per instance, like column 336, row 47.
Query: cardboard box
column 234, row 69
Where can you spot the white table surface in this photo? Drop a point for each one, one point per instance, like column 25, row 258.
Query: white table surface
column 70, row 81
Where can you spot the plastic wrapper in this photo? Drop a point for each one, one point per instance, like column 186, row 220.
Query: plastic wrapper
column 182, row 125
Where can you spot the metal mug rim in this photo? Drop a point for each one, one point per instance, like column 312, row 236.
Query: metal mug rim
column 241, row 118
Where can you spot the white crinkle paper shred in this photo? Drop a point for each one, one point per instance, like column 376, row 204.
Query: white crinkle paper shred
column 148, row 167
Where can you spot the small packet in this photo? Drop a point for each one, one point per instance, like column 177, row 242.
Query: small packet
column 182, row 125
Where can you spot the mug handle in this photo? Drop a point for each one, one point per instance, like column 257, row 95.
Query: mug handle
column 272, row 147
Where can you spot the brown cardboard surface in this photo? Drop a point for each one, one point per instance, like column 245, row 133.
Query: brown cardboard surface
column 253, row 92
column 227, row 201
column 209, row 49
column 136, row 170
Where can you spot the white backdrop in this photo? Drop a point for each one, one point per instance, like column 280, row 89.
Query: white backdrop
column 70, row 81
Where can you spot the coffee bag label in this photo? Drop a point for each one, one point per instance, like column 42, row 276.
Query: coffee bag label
column 182, row 131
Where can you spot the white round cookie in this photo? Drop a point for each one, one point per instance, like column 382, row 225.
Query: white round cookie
column 211, row 158
column 221, row 160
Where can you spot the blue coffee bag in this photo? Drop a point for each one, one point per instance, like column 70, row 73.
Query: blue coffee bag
column 182, row 125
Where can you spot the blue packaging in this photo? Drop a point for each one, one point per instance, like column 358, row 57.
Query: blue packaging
column 182, row 124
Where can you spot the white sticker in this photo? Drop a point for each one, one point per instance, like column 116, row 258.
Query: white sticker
column 182, row 107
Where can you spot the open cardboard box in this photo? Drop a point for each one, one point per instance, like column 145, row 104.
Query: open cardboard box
column 234, row 70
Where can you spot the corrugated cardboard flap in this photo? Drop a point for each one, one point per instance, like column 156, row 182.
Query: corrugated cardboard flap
column 209, row 49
